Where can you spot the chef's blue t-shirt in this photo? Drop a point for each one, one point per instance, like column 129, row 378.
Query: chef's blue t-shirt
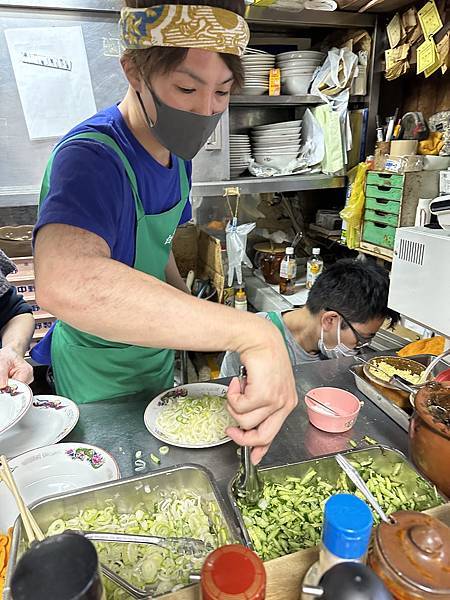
column 89, row 189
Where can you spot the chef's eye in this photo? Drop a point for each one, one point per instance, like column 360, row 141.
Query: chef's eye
column 186, row 90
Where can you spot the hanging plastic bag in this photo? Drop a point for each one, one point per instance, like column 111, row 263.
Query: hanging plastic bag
column 352, row 213
column 236, row 238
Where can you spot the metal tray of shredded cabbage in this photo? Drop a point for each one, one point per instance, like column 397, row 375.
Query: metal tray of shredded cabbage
column 180, row 501
column 289, row 515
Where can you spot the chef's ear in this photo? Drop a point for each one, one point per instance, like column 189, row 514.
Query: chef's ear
column 328, row 319
column 132, row 73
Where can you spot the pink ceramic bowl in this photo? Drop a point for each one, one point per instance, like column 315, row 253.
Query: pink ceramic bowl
column 343, row 402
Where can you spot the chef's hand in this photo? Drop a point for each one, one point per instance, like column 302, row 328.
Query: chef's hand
column 270, row 394
column 13, row 366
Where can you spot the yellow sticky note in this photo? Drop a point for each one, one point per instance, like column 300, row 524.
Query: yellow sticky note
column 434, row 67
column 430, row 19
column 426, row 55
column 395, row 31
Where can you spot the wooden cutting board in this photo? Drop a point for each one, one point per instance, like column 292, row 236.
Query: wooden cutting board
column 285, row 574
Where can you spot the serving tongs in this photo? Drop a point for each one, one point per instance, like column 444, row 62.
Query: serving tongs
column 182, row 545
column 246, row 484
column 359, row 482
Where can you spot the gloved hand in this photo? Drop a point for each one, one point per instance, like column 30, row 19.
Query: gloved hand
column 236, row 238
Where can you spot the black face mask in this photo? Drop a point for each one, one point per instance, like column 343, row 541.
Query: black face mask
column 182, row 132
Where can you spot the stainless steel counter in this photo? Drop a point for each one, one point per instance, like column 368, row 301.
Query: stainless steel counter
column 118, row 426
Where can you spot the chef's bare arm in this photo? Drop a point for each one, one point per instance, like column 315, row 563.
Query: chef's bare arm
column 77, row 281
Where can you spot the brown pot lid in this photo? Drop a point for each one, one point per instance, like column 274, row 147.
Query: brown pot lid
column 267, row 248
column 417, row 548
column 432, row 402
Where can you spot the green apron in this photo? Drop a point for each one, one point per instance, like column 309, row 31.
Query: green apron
column 276, row 320
column 88, row 368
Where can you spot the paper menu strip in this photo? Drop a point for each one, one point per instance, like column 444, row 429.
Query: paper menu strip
column 430, row 19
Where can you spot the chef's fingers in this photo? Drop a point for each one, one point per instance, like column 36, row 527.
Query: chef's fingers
column 22, row 371
column 261, row 437
column 251, row 419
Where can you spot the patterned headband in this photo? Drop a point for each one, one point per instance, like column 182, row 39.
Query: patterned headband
column 206, row 27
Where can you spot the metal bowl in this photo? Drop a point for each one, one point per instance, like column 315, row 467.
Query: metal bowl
column 403, row 364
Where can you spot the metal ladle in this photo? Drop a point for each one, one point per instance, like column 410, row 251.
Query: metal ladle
column 354, row 476
column 246, row 484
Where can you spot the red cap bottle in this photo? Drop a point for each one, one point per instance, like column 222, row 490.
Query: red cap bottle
column 233, row 572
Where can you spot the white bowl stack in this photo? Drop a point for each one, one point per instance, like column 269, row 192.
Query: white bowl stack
column 297, row 70
column 240, row 154
column 256, row 71
column 276, row 145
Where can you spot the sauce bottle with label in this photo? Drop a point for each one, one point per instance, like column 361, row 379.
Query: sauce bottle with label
column 314, row 268
column 288, row 273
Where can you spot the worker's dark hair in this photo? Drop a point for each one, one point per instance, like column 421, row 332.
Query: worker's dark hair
column 163, row 60
column 358, row 290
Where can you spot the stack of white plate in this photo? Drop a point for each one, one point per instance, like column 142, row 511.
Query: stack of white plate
column 297, row 70
column 240, row 153
column 276, row 145
column 256, row 70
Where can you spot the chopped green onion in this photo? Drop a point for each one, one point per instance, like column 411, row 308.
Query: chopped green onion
column 370, row 440
column 172, row 513
column 164, row 450
column 352, row 443
column 155, row 459
column 195, row 420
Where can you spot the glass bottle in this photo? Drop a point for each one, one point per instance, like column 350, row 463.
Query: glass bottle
column 288, row 273
column 240, row 299
column 314, row 268
column 233, row 572
column 347, row 526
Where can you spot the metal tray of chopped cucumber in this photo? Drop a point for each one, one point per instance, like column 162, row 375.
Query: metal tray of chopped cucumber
column 288, row 516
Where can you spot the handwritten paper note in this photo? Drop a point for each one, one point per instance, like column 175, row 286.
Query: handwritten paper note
column 443, row 49
column 426, row 55
column 430, row 19
column 395, row 31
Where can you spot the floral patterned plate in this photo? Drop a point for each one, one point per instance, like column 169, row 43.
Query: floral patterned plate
column 48, row 421
column 53, row 470
column 15, row 400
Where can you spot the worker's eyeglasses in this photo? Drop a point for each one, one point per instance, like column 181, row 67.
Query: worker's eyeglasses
column 362, row 341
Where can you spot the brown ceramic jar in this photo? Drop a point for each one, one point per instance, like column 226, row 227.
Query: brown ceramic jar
column 429, row 434
column 412, row 557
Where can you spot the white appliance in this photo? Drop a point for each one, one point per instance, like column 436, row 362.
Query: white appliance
column 420, row 277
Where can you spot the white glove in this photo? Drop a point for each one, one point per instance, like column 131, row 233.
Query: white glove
column 236, row 237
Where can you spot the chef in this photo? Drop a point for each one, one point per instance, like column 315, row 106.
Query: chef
column 115, row 189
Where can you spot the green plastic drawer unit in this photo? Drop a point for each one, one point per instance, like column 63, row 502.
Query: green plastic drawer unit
column 381, row 217
column 379, row 234
column 384, row 191
column 386, row 206
column 389, row 179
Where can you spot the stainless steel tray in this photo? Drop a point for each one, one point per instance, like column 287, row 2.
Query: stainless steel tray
column 326, row 467
column 397, row 414
column 126, row 493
